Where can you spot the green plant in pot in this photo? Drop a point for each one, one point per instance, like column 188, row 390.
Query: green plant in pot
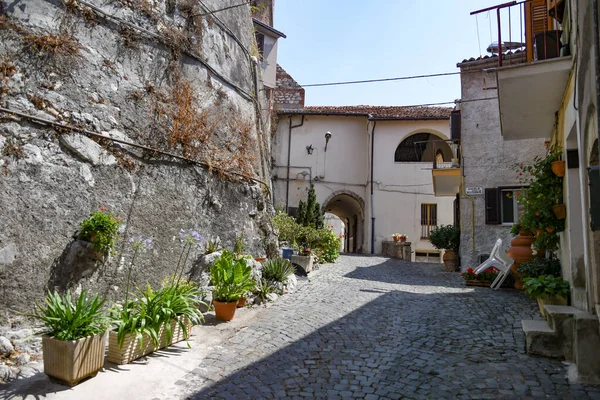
column 232, row 278
column 447, row 237
column 538, row 267
column 547, row 289
column 73, row 347
column 100, row 229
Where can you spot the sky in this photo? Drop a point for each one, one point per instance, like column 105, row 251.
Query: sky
column 347, row 40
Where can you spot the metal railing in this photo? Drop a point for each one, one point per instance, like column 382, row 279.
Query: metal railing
column 538, row 35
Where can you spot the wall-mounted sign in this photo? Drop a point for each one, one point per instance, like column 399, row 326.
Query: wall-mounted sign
column 474, row 191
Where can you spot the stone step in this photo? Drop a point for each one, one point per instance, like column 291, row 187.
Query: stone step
column 541, row 339
column 562, row 320
column 586, row 347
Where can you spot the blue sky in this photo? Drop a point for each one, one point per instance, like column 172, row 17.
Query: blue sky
column 340, row 40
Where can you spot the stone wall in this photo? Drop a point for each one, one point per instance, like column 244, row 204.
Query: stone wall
column 149, row 73
column 488, row 160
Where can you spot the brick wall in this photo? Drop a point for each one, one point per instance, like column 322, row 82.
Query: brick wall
column 288, row 94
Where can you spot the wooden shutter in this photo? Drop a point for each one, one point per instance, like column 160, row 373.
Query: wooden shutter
column 492, row 206
column 536, row 21
column 455, row 125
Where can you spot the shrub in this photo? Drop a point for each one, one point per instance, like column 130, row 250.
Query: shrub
column 445, row 237
column 71, row 320
column 546, row 286
column 231, row 276
column 262, row 289
column 323, row 242
column 100, row 228
column 212, row 245
column 277, row 270
column 538, row 267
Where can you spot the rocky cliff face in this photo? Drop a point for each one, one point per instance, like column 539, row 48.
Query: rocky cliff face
column 160, row 77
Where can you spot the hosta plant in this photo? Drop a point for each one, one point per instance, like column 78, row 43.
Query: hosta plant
column 231, row 276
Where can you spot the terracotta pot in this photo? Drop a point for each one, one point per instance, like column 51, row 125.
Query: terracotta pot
column 558, row 167
column 525, row 233
column 403, row 239
column 560, row 211
column 396, row 239
column 241, row 302
column 451, row 260
column 520, row 251
column 71, row 361
column 260, row 259
column 225, row 311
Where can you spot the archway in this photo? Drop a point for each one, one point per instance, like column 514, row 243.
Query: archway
column 349, row 207
column 423, row 147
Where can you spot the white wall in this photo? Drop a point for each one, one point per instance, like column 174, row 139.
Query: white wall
column 346, row 166
column 401, row 188
column 269, row 62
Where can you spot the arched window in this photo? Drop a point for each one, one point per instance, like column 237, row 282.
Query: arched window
column 420, row 147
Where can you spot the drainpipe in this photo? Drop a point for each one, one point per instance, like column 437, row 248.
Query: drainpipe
column 287, row 184
column 372, row 179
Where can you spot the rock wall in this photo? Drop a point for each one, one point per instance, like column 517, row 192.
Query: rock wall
column 157, row 74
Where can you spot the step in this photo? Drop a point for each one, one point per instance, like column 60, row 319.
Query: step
column 562, row 320
column 541, row 339
column 586, row 347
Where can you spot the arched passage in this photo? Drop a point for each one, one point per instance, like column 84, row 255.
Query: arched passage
column 349, row 207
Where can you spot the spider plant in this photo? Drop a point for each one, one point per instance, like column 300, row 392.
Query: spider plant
column 277, row 270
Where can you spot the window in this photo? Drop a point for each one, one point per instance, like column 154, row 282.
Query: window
column 430, row 256
column 501, row 206
column 421, row 147
column 428, row 219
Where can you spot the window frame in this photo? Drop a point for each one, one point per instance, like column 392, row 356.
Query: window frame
column 428, row 227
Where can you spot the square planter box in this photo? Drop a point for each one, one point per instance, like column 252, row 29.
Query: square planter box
column 478, row 283
column 131, row 349
column 304, row 262
column 71, row 361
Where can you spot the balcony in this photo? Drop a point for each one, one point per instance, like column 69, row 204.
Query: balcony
column 532, row 73
column 446, row 174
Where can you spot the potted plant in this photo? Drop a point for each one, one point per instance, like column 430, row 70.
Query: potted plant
column 547, row 289
column 484, row 278
column 399, row 237
column 73, row 348
column 100, row 229
column 232, row 277
column 447, row 237
column 538, row 267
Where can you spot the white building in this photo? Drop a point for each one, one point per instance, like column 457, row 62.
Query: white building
column 339, row 149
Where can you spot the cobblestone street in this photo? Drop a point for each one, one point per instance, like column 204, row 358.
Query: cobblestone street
column 365, row 327
column 374, row 328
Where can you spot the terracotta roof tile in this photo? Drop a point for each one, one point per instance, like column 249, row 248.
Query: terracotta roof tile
column 377, row 112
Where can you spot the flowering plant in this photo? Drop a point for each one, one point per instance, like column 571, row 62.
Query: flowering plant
column 100, row 228
column 399, row 236
column 306, row 251
column 488, row 275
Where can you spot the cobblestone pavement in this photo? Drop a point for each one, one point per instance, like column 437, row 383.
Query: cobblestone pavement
column 373, row 328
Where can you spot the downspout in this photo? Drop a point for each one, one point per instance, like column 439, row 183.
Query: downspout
column 596, row 61
column 287, row 184
column 372, row 179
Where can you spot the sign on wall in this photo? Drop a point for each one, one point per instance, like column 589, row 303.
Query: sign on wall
column 474, row 191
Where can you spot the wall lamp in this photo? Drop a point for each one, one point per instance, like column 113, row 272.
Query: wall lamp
column 310, row 149
column 327, row 137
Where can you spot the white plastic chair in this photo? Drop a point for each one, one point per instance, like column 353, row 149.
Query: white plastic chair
column 501, row 261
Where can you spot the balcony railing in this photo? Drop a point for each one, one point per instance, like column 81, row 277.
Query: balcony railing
column 447, row 154
column 532, row 27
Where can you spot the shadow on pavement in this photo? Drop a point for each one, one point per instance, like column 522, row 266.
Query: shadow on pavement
column 401, row 344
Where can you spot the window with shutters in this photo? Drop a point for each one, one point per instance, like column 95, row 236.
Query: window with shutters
column 501, row 205
column 428, row 219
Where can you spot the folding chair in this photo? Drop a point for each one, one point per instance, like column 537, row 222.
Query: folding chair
column 501, row 261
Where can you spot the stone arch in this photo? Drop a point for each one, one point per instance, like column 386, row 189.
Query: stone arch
column 407, row 151
column 350, row 208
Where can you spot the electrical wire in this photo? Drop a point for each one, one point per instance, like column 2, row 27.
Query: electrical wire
column 222, row 9
column 381, row 80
